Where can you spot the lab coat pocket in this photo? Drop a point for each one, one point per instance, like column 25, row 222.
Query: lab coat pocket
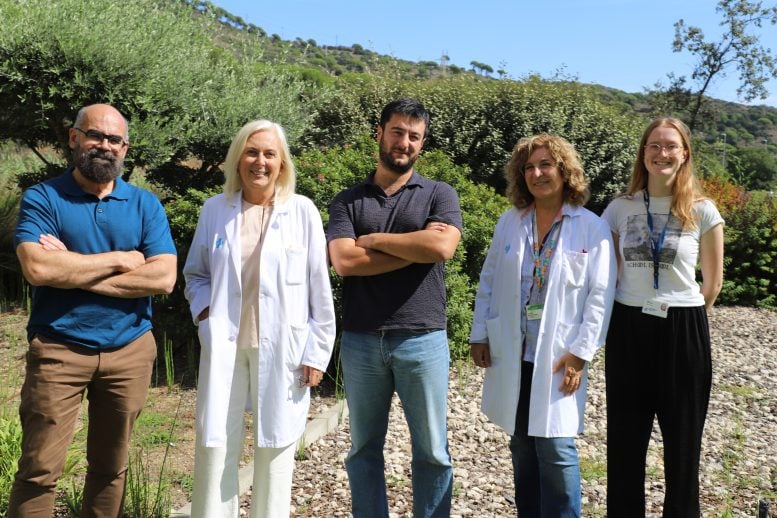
column 296, row 264
column 495, row 338
column 203, row 333
column 576, row 266
column 298, row 339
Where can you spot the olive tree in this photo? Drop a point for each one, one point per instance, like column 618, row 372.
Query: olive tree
column 155, row 61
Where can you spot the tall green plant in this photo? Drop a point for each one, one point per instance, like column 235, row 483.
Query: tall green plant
column 10, row 450
column 150, row 496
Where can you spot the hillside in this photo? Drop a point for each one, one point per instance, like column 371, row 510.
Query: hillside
column 743, row 125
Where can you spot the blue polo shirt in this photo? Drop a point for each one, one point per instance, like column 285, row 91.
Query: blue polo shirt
column 127, row 219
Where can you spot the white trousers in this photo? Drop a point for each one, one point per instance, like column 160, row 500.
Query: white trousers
column 216, row 493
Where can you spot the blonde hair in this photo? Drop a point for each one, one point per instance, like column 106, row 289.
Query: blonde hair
column 284, row 187
column 566, row 158
column 685, row 188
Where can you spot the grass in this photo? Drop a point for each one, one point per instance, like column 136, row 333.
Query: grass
column 395, row 480
column 593, row 469
column 746, row 392
column 300, row 453
column 148, row 494
column 152, row 428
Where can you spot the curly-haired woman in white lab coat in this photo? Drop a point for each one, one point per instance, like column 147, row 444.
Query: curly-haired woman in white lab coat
column 258, row 285
column 541, row 312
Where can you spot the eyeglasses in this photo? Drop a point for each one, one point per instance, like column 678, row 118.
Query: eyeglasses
column 671, row 149
column 99, row 136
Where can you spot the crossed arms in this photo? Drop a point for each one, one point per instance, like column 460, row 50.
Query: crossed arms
column 373, row 254
column 123, row 274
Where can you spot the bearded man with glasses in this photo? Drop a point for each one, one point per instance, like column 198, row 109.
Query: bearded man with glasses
column 95, row 249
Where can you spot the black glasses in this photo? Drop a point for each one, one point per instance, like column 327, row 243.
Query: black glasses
column 99, row 136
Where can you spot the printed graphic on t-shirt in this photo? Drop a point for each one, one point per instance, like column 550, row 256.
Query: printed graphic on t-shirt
column 636, row 244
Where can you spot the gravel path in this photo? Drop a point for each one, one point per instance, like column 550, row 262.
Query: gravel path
column 739, row 454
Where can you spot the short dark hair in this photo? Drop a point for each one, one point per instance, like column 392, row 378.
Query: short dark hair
column 407, row 107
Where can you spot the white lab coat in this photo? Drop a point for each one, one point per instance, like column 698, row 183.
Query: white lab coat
column 580, row 291
column 296, row 315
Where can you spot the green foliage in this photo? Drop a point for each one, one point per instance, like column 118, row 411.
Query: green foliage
column 10, row 273
column 756, row 168
column 146, row 498
column 750, row 258
column 185, row 97
column 10, row 450
column 171, row 313
column 477, row 122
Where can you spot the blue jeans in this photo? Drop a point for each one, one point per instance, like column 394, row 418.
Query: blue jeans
column 546, row 470
column 415, row 364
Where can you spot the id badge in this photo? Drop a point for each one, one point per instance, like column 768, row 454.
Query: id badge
column 534, row 311
column 655, row 307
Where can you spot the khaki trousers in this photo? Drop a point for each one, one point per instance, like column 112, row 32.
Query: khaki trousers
column 58, row 374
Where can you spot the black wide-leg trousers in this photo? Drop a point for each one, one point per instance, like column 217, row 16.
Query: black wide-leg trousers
column 656, row 367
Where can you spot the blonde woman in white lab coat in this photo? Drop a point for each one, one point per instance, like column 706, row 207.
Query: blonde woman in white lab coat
column 257, row 283
column 541, row 312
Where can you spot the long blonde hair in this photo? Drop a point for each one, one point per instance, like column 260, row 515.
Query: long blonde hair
column 685, row 188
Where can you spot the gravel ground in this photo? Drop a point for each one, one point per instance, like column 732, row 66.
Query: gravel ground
column 739, row 463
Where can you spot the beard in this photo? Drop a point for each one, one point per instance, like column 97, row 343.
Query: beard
column 392, row 164
column 97, row 165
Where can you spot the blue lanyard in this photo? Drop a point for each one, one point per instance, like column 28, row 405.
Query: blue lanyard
column 656, row 244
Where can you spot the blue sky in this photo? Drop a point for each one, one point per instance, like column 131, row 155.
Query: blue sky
column 624, row 44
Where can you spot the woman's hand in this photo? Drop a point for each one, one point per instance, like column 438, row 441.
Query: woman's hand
column 481, row 355
column 205, row 313
column 573, row 372
column 311, row 376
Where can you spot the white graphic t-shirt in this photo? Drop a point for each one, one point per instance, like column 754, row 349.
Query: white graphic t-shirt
column 677, row 284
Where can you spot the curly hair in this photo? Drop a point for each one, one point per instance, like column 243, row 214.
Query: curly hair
column 685, row 188
column 568, row 161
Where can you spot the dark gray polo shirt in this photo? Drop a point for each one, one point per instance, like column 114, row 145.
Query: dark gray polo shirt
column 409, row 298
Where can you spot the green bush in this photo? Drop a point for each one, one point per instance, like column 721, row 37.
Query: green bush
column 750, row 255
column 477, row 122
column 751, row 252
column 184, row 96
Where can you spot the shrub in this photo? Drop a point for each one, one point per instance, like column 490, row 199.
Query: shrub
column 750, row 258
column 477, row 122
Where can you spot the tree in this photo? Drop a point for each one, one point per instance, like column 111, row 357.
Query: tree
column 481, row 68
column 184, row 97
column 738, row 46
column 756, row 168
